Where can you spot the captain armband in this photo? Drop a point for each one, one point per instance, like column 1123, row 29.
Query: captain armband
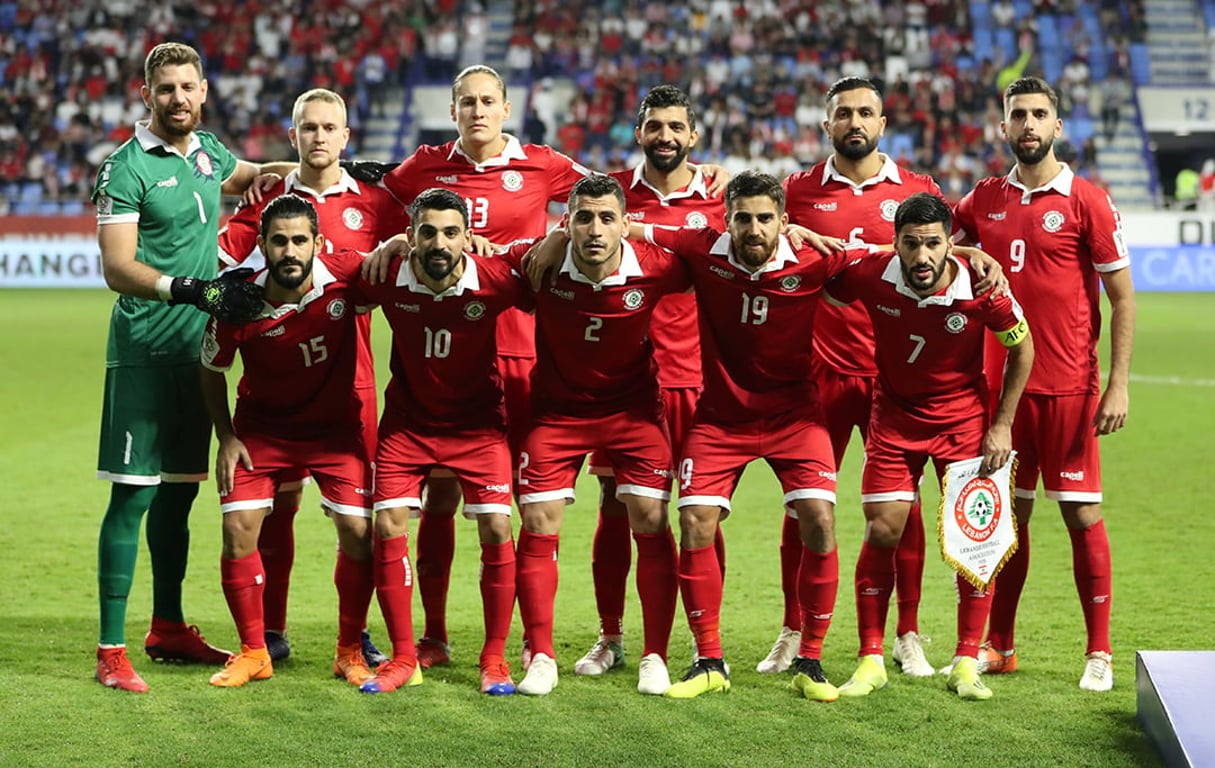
column 1015, row 335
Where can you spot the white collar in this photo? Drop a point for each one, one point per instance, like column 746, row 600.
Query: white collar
column 512, row 151
column 345, row 183
column 468, row 280
column 958, row 290
column 150, row 141
column 629, row 267
column 888, row 172
column 696, row 187
column 784, row 255
column 1061, row 183
column 321, row 277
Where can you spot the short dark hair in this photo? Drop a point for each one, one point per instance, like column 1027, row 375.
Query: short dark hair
column 852, row 84
column 438, row 199
column 661, row 96
column 289, row 207
column 170, row 55
column 597, row 185
column 755, row 184
column 923, row 208
column 1027, row 85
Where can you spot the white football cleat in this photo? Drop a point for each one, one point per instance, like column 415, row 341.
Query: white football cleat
column 652, row 675
column 1098, row 672
column 783, row 652
column 541, row 677
column 607, row 653
column 909, row 654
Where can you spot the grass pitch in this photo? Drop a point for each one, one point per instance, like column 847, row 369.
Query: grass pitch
column 1156, row 475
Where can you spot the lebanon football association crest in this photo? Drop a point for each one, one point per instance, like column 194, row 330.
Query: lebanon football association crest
column 790, row 283
column 1052, row 221
column 697, row 220
column 888, row 207
column 352, row 218
column 633, row 298
column 955, row 322
column 512, row 181
column 474, row 310
column 336, row 309
column 202, row 161
column 978, row 509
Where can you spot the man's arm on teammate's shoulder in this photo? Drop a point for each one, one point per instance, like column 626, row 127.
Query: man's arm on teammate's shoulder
column 544, row 255
column 375, row 266
column 240, row 179
column 800, row 237
column 991, row 274
column 997, row 443
column 1115, row 400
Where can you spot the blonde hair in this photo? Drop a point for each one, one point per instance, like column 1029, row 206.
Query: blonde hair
column 170, row 55
column 316, row 94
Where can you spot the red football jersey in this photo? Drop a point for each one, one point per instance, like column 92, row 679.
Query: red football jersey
column 673, row 329
column 444, row 371
column 507, row 198
column 829, row 203
column 593, row 351
column 299, row 360
column 352, row 216
column 929, row 350
column 1052, row 241
column 755, row 329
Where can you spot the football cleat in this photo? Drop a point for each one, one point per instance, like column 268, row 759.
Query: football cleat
column 249, row 664
column 541, row 677
column 277, row 645
column 909, row 655
column 176, row 641
column 495, row 677
column 996, row 662
column 784, row 650
column 870, row 676
column 114, row 670
column 432, row 653
column 348, row 663
column 605, row 654
column 1098, row 672
column 396, row 673
column 810, row 680
column 964, row 679
column 705, row 676
column 372, row 655
column 652, row 676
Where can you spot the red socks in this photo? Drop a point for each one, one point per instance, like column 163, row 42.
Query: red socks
column 497, row 595
column 875, row 577
column 700, row 586
column 436, row 549
column 790, row 562
column 818, row 579
column 1091, row 567
column 537, row 584
column 1007, row 588
column 973, row 606
column 243, row 582
column 611, row 556
column 394, row 589
column 276, row 543
column 657, row 585
column 355, row 584
column 909, row 571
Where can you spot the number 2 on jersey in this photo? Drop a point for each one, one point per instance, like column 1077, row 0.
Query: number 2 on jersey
column 593, row 325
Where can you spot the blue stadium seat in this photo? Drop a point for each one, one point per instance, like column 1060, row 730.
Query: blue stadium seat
column 1141, row 64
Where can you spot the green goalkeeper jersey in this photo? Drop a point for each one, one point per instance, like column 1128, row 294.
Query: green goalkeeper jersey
column 175, row 201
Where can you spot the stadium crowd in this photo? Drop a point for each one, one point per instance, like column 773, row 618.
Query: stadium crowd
column 757, row 72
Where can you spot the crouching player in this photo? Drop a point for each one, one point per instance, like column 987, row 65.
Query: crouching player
column 929, row 403
column 296, row 410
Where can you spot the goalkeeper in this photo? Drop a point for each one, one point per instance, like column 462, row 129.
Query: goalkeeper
column 158, row 200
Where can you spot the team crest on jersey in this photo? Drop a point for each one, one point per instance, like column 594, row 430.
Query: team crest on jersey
column 633, row 298
column 955, row 322
column 105, row 204
column 1052, row 221
column 474, row 310
column 336, row 309
column 790, row 283
column 352, row 218
column 697, row 220
column 202, row 161
column 512, row 181
column 887, row 208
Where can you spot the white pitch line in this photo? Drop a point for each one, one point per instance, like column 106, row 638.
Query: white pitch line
column 1176, row 381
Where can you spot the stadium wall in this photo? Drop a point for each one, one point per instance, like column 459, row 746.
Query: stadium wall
column 1170, row 251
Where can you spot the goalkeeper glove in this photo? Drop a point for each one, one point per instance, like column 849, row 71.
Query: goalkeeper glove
column 230, row 297
column 369, row 171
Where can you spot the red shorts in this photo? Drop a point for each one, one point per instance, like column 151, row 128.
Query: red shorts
column 899, row 445
column 337, row 463
column 479, row 458
column 516, row 373
column 368, row 421
column 1053, row 436
column 636, row 445
column 715, row 455
column 678, row 408
column 846, row 402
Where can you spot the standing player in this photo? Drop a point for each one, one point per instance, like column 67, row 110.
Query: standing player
column 352, row 216
column 507, row 187
column 852, row 195
column 596, row 388
column 1060, row 238
column 306, row 338
column 930, row 402
column 157, row 200
column 754, row 292
column 664, row 189
column 443, row 408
